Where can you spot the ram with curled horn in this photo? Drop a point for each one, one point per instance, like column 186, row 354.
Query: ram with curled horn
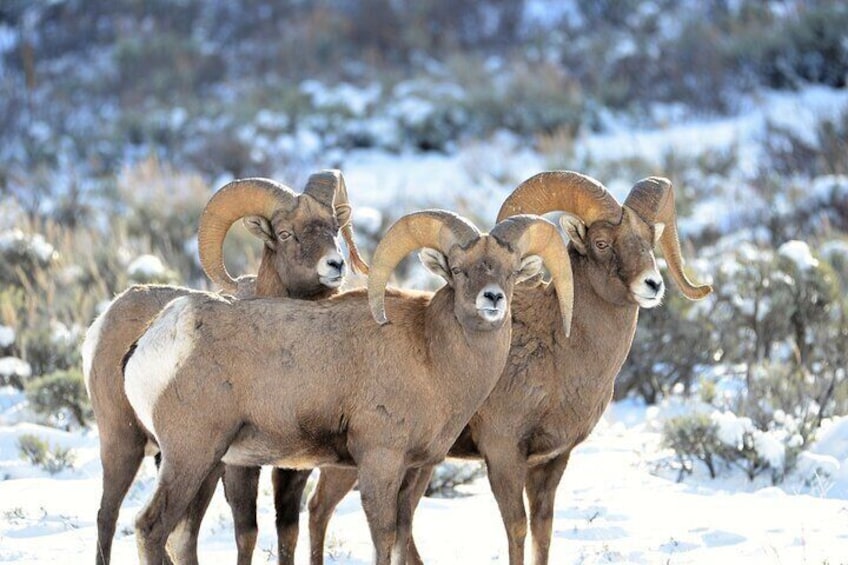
column 390, row 399
column 301, row 259
column 554, row 390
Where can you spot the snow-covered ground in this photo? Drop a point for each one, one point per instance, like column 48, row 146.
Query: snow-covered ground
column 616, row 504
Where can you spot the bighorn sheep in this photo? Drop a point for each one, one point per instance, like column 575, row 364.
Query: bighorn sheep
column 244, row 382
column 554, row 390
column 300, row 260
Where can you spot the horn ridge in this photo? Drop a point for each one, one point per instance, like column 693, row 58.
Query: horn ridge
column 534, row 235
column 652, row 199
column 328, row 186
column 242, row 197
column 566, row 191
column 438, row 229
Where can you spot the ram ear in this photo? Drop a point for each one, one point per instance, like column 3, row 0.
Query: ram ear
column 435, row 262
column 531, row 265
column 260, row 227
column 575, row 229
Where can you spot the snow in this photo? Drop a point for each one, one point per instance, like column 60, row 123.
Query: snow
column 7, row 336
column 770, row 448
column 798, row 112
column 146, row 267
column 355, row 100
column 368, row 220
column 731, row 429
column 12, row 366
column 611, row 507
column 35, row 244
column 799, row 253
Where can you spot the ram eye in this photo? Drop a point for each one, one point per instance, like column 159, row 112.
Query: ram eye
column 601, row 244
column 284, row 234
column 456, row 270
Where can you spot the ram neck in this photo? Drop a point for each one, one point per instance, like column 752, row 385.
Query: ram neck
column 468, row 363
column 587, row 362
column 604, row 334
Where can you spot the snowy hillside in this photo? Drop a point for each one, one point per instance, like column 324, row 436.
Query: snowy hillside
column 727, row 441
column 619, row 500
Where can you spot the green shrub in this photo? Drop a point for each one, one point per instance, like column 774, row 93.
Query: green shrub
column 809, row 47
column 45, row 351
column 662, row 354
column 59, row 392
column 38, row 452
column 693, row 439
column 21, row 254
column 175, row 66
column 33, row 449
column 789, row 152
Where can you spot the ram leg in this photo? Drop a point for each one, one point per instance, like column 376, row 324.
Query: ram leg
column 288, row 492
column 241, row 488
column 182, row 543
column 507, row 471
column 381, row 473
column 333, row 484
column 121, row 453
column 542, row 482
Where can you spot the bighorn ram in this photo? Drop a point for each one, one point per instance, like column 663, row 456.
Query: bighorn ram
column 554, row 390
column 300, row 260
column 246, row 382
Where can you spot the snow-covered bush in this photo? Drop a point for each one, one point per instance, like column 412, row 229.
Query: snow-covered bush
column 163, row 208
column 449, row 475
column 148, row 269
column 810, row 46
column 429, row 114
column 14, row 372
column 49, row 345
column 37, row 451
column 21, row 254
column 672, row 342
column 722, row 440
column 815, row 153
column 7, row 338
column 773, row 304
column 777, row 326
column 61, row 398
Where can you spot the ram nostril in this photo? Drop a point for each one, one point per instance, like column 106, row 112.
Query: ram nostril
column 493, row 296
column 654, row 284
column 337, row 264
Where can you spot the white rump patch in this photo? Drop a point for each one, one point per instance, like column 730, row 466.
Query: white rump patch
column 158, row 356
column 89, row 346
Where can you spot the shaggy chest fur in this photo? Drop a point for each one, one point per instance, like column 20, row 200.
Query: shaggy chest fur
column 553, row 390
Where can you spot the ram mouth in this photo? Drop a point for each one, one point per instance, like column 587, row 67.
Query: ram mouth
column 490, row 314
column 647, row 301
column 332, row 282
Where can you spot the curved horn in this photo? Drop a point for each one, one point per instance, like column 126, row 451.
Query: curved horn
column 533, row 235
column 653, row 200
column 240, row 198
column 438, row 229
column 329, row 186
column 567, row 191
